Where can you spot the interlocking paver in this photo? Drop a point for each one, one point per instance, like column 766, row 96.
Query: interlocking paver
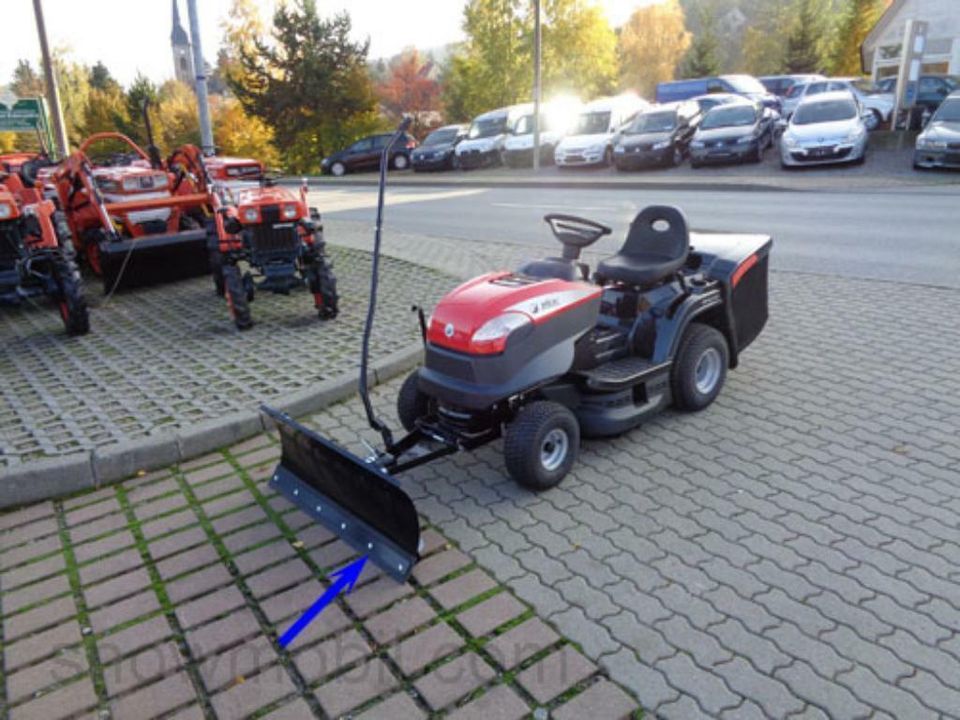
column 61, row 703
column 378, row 594
column 490, row 614
column 244, row 698
column 425, row 648
column 437, row 566
column 462, row 588
column 601, row 701
column 399, row 620
column 330, row 656
column 521, row 642
column 500, row 703
column 238, row 663
column 355, row 687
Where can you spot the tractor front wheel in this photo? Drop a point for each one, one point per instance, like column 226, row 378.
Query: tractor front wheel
column 236, row 296
column 541, row 444
column 323, row 284
column 72, row 304
column 412, row 403
column 216, row 270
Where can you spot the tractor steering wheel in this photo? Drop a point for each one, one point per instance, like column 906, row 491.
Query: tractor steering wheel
column 575, row 231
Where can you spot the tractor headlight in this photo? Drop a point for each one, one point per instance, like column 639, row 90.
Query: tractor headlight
column 6, row 211
column 251, row 215
column 289, row 212
column 492, row 336
column 663, row 145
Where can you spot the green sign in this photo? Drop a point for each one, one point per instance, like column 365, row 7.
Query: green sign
column 27, row 115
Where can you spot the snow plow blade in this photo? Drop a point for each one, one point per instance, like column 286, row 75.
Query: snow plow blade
column 355, row 499
column 153, row 259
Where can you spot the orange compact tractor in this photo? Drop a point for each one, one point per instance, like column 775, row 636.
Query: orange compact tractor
column 271, row 230
column 136, row 221
column 36, row 254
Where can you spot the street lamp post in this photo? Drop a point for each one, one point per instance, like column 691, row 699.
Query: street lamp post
column 536, row 85
column 200, row 69
column 53, row 92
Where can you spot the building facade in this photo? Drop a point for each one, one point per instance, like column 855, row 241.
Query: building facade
column 182, row 52
column 881, row 50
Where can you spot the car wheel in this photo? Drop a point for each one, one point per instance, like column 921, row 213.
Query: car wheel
column 338, row 169
column 608, row 157
column 875, row 121
column 541, row 444
column 400, row 162
column 677, row 158
column 700, row 367
column 694, row 163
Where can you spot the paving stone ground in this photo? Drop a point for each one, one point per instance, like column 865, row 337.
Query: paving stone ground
column 166, row 357
column 163, row 597
column 793, row 551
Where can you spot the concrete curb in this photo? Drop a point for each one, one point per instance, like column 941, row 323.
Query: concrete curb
column 56, row 477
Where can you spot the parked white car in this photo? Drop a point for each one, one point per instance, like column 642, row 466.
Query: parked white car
column 556, row 119
column 879, row 104
column 825, row 128
column 488, row 133
column 597, row 130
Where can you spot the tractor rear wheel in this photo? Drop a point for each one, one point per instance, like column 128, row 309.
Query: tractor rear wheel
column 412, row 403
column 541, row 444
column 71, row 302
column 236, row 296
column 700, row 367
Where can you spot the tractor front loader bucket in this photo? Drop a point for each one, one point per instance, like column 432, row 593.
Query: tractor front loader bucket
column 151, row 259
column 354, row 498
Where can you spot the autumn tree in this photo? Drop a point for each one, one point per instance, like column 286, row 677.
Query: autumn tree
column 409, row 88
column 241, row 135
column 310, row 83
column 26, row 81
column 652, row 43
column 106, row 110
column 805, row 44
column 702, row 58
column 579, row 49
column 857, row 19
column 140, row 92
column 241, row 28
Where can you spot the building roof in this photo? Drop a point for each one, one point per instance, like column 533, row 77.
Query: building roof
column 877, row 30
column 178, row 36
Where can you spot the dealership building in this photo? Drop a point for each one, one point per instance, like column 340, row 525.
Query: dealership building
column 881, row 50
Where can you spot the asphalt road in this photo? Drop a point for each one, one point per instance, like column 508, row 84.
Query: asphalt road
column 908, row 234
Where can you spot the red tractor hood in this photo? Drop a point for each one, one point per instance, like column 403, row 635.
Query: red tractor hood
column 462, row 312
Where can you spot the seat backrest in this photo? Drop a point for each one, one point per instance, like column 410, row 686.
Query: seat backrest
column 658, row 230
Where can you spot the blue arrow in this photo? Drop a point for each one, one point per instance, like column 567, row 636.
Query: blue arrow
column 346, row 579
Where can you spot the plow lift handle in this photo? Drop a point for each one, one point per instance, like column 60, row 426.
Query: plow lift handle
column 375, row 422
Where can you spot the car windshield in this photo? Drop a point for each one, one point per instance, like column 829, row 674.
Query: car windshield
column 524, row 125
column 864, row 86
column 952, row 82
column 949, row 111
column 796, row 90
column 441, row 137
column 738, row 116
column 821, row 112
column 653, row 123
column 488, row 127
column 592, row 123
column 744, row 84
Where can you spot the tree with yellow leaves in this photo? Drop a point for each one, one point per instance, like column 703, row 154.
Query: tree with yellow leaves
column 652, row 43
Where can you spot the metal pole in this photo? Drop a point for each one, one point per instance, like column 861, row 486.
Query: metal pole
column 53, row 93
column 199, row 67
column 536, row 85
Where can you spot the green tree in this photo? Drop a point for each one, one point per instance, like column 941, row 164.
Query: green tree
column 702, row 59
column 805, row 42
column 141, row 91
column 856, row 20
column 106, row 111
column 579, row 49
column 310, row 83
column 73, row 81
column 652, row 43
column 26, row 82
column 241, row 135
column 100, row 77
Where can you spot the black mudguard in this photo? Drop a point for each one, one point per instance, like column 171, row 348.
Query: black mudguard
column 135, row 262
column 357, row 500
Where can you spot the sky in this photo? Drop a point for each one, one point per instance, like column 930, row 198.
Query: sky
column 134, row 35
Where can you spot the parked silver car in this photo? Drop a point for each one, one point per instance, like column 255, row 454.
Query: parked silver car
column 827, row 128
column 939, row 143
column 879, row 104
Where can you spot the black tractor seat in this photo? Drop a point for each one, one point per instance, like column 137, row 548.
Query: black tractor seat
column 656, row 247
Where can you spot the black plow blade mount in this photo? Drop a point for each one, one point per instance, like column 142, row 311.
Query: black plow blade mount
column 153, row 259
column 354, row 498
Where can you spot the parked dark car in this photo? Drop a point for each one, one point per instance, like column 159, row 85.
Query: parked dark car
column 734, row 132
column 364, row 154
column 938, row 146
column 658, row 136
column 437, row 150
column 744, row 85
column 706, row 102
column 779, row 85
column 933, row 90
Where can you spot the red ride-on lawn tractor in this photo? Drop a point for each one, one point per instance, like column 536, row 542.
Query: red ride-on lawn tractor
column 135, row 221
column 36, row 254
column 541, row 356
column 270, row 231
